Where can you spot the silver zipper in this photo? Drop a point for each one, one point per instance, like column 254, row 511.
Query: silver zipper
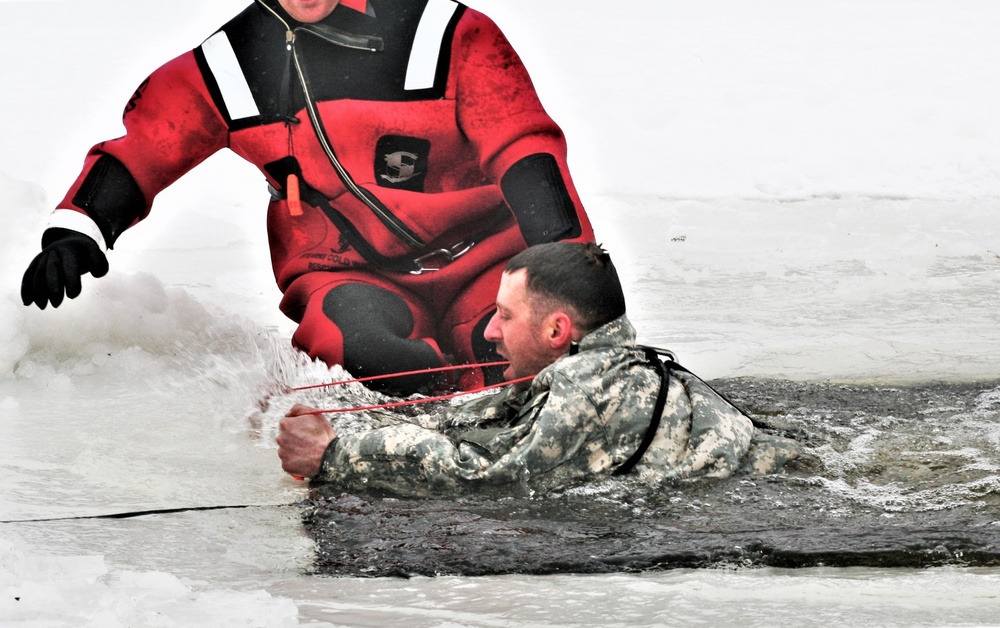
column 387, row 218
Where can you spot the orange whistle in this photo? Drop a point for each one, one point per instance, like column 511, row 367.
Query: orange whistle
column 292, row 196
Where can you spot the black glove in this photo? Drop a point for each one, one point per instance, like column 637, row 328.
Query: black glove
column 66, row 256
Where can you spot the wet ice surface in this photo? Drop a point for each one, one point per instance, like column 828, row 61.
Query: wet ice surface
column 852, row 289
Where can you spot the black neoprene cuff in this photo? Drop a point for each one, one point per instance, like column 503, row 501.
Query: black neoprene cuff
column 537, row 195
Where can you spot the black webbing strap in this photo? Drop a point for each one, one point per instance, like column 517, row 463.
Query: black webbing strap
column 661, row 400
column 316, row 198
column 282, row 168
column 364, row 248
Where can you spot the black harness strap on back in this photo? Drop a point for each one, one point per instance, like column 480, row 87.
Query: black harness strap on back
column 653, row 355
column 664, row 368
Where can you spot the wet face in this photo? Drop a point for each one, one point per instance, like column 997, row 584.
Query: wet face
column 308, row 11
column 522, row 334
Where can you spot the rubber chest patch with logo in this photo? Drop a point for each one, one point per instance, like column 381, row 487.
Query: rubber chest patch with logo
column 401, row 162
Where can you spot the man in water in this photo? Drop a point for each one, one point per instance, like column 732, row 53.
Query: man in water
column 597, row 403
column 407, row 155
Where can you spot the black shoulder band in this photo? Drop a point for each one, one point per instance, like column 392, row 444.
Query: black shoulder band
column 537, row 195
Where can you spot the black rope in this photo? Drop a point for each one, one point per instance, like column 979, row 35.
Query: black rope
column 144, row 513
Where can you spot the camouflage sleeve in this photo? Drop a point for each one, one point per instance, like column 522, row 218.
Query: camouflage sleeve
column 403, row 459
column 411, row 460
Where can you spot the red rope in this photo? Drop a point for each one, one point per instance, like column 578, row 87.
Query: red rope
column 413, row 402
column 438, row 369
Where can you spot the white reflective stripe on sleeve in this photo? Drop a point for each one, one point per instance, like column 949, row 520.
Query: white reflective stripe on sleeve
column 226, row 68
column 426, row 49
column 75, row 221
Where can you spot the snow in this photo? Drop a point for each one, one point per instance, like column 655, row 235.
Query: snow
column 791, row 189
column 77, row 591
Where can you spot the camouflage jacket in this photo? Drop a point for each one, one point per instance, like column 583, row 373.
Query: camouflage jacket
column 582, row 416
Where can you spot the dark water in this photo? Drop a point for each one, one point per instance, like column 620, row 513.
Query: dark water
column 909, row 477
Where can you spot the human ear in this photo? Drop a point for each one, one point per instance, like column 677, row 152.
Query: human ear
column 560, row 331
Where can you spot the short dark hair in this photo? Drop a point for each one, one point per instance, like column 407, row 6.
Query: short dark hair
column 576, row 275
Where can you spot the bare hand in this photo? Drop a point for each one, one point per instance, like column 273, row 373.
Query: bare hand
column 302, row 439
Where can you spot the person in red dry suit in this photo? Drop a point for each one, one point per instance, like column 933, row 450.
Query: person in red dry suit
column 407, row 155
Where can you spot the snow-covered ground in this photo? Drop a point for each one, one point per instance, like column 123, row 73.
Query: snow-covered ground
column 800, row 189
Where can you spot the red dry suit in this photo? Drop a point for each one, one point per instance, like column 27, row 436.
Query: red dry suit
column 408, row 158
